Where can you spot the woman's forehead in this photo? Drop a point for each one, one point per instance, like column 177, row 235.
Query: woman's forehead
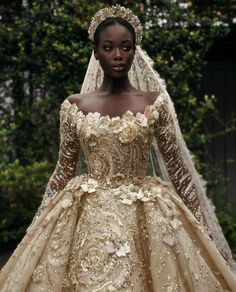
column 114, row 32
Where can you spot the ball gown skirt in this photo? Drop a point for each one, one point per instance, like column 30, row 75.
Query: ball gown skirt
column 116, row 228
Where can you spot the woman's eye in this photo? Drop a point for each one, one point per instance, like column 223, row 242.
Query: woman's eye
column 108, row 48
column 126, row 48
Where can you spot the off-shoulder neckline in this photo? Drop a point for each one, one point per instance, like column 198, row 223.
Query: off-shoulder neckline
column 67, row 104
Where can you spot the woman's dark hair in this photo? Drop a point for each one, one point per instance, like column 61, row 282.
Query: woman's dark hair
column 111, row 21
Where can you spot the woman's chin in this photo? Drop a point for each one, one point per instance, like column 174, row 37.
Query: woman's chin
column 118, row 74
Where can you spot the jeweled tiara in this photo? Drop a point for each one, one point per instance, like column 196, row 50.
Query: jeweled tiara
column 116, row 11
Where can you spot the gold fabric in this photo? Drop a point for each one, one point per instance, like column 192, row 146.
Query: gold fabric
column 115, row 228
column 194, row 194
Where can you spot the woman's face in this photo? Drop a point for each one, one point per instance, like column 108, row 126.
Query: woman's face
column 115, row 50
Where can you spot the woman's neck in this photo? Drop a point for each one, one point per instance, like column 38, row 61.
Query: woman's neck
column 116, row 86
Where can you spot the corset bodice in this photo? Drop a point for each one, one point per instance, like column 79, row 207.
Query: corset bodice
column 115, row 148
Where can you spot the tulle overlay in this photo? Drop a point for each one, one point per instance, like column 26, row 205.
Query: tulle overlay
column 114, row 228
column 133, row 238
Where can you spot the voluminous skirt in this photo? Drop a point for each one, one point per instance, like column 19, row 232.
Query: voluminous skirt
column 94, row 237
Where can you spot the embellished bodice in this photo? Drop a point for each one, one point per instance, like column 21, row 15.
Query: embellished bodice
column 116, row 149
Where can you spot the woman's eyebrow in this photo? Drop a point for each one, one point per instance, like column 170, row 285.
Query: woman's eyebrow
column 110, row 41
column 127, row 41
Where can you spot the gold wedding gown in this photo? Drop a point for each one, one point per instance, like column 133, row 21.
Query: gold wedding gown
column 115, row 228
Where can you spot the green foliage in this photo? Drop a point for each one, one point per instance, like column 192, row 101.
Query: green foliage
column 44, row 59
column 21, row 189
column 229, row 227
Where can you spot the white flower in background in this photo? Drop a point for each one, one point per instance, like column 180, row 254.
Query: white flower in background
column 123, row 250
column 184, row 5
column 66, row 203
column 90, row 186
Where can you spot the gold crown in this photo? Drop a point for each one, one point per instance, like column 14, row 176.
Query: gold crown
column 116, row 11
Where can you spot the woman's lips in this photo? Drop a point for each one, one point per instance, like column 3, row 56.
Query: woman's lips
column 118, row 68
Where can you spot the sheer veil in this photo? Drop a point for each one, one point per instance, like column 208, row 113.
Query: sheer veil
column 144, row 77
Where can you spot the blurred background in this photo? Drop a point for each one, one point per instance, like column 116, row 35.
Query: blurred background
column 44, row 53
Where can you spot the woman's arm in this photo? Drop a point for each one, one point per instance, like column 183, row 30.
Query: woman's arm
column 68, row 155
column 178, row 168
column 175, row 166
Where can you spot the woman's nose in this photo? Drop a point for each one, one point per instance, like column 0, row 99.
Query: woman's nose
column 117, row 54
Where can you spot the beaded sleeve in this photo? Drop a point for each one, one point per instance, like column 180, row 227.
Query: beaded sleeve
column 68, row 155
column 177, row 170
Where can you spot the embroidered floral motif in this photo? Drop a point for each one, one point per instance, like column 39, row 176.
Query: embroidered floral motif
column 109, row 247
column 91, row 135
column 155, row 115
column 126, row 130
column 93, row 118
column 66, row 203
column 142, row 119
column 131, row 193
column 90, row 186
column 123, row 250
column 116, row 179
column 99, row 164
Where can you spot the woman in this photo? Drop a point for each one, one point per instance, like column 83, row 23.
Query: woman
column 115, row 228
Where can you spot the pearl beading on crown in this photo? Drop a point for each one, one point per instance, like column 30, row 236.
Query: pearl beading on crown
column 116, row 11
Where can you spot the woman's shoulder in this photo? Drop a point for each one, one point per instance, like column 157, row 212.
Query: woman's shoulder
column 81, row 99
column 150, row 96
column 78, row 97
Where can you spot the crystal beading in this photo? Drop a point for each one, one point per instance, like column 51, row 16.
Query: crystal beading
column 116, row 11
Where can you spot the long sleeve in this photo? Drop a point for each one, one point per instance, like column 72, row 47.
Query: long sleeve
column 175, row 165
column 68, row 155
column 178, row 168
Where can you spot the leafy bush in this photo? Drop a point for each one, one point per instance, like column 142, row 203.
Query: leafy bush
column 21, row 189
column 228, row 225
